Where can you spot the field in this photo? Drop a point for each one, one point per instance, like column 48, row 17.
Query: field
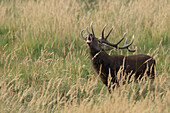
column 45, row 64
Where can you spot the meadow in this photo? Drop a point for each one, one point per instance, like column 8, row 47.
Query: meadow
column 45, row 64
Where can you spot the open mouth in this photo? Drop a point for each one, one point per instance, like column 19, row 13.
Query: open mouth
column 88, row 41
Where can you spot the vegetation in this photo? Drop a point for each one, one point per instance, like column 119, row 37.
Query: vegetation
column 45, row 65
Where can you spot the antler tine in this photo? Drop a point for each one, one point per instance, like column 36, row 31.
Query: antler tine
column 82, row 35
column 130, row 50
column 109, row 33
column 92, row 28
column 103, row 31
column 121, row 39
column 127, row 46
column 87, row 30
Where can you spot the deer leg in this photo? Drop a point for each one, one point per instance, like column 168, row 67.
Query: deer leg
column 153, row 72
column 152, row 76
column 113, row 83
column 111, row 87
column 148, row 73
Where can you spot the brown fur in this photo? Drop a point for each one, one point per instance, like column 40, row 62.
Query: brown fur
column 133, row 64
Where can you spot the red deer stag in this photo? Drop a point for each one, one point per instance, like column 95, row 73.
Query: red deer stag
column 105, row 64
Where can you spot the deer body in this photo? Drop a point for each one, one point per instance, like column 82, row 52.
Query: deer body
column 132, row 64
column 105, row 64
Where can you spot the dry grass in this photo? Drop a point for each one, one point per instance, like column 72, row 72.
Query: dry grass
column 44, row 65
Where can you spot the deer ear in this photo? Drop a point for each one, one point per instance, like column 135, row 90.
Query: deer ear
column 106, row 48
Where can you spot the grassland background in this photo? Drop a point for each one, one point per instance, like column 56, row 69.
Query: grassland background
column 45, row 65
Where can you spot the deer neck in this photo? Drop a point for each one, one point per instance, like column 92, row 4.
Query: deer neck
column 94, row 53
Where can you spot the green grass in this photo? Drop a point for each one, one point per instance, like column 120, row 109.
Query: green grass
column 45, row 65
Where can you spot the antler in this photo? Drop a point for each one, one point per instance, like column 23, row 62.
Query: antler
column 104, row 40
column 82, row 35
column 87, row 32
column 92, row 28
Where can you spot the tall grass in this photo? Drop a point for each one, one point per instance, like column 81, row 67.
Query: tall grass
column 45, row 65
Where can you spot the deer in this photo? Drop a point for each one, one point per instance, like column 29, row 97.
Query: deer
column 107, row 66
